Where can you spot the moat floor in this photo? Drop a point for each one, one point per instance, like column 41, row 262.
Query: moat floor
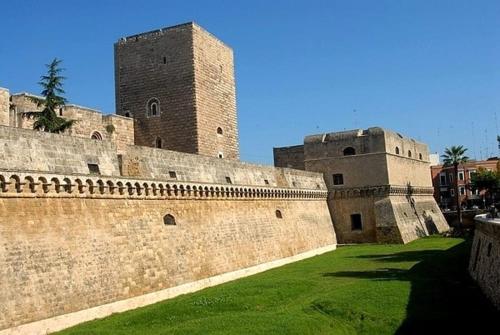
column 418, row 288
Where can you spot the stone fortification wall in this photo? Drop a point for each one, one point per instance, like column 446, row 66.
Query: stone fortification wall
column 397, row 144
column 379, row 183
column 354, row 170
column 158, row 65
column 28, row 150
column 404, row 171
column 484, row 265
column 365, row 141
column 4, row 106
column 72, row 242
column 402, row 219
column 171, row 165
column 90, row 123
column 215, row 96
column 189, row 75
column 388, row 214
column 289, row 157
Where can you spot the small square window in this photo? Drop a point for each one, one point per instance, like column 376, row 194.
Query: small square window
column 338, row 179
column 228, row 180
column 172, row 174
column 356, row 223
column 266, row 181
column 94, row 168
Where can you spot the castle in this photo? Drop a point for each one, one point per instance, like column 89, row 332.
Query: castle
column 380, row 188
column 126, row 210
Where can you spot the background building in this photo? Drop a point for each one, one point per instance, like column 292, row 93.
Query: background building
column 444, row 186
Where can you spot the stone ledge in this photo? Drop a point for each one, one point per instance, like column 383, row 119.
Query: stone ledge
column 37, row 185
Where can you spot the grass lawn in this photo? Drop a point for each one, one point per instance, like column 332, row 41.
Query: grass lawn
column 418, row 288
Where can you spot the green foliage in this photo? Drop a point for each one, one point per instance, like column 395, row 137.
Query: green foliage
column 52, row 93
column 485, row 180
column 110, row 128
column 454, row 155
column 419, row 288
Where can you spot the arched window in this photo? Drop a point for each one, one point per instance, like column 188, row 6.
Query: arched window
column 96, row 136
column 278, row 214
column 420, row 156
column 349, row 151
column 169, row 220
column 153, row 107
column 219, row 131
column 409, row 153
column 158, row 142
column 397, row 150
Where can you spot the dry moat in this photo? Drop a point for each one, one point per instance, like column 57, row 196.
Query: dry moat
column 421, row 287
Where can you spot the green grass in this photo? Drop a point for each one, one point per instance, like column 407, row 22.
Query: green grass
column 418, row 288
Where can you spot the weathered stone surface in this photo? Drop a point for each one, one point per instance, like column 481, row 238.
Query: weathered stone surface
column 90, row 123
column 28, row 150
column 4, row 106
column 484, row 265
column 191, row 74
column 62, row 252
column 385, row 180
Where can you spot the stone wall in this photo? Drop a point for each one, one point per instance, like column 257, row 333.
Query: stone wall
column 70, row 243
column 89, row 122
column 171, row 165
column 191, row 75
column 375, row 176
column 4, row 107
column 389, row 214
column 484, row 265
column 158, row 65
column 404, row 171
column 215, row 96
column 402, row 219
column 28, row 150
column 289, row 157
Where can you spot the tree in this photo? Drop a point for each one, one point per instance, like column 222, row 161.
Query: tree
column 488, row 181
column 455, row 156
column 47, row 119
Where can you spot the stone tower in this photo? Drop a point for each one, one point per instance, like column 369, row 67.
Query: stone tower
column 178, row 85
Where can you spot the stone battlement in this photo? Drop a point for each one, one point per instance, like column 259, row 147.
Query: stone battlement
column 379, row 191
column 27, row 184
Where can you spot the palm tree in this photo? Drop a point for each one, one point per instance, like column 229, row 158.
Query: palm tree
column 47, row 119
column 455, row 156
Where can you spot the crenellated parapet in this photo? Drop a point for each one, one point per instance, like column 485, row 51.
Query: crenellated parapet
column 17, row 184
column 380, row 191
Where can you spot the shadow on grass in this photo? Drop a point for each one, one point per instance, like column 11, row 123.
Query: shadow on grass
column 443, row 297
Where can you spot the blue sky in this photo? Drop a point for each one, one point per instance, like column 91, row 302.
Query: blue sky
column 428, row 69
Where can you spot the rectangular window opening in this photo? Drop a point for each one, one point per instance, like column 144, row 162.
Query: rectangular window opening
column 228, row 180
column 172, row 174
column 338, row 179
column 356, row 223
column 93, row 168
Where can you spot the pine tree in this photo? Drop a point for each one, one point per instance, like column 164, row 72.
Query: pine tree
column 52, row 93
